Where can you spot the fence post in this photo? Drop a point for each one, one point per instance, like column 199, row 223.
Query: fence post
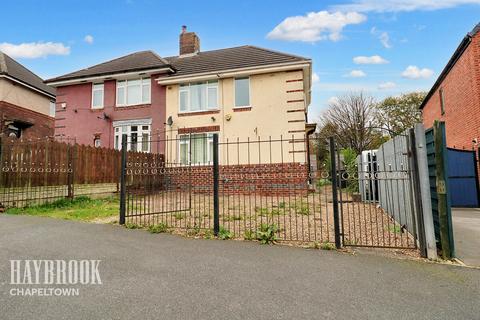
column 216, row 209
column 70, row 171
column 444, row 209
column 336, row 216
column 123, row 171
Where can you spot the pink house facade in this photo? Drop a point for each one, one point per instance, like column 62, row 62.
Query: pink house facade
column 103, row 125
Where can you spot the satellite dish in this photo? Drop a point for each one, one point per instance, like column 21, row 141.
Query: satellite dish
column 170, row 121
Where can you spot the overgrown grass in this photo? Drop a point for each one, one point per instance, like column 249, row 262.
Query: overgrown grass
column 81, row 208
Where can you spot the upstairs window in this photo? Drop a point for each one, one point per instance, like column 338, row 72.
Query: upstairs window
column 52, row 109
column 442, row 101
column 242, row 92
column 97, row 96
column 200, row 96
column 133, row 92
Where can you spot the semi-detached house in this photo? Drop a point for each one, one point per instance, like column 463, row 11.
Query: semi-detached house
column 241, row 93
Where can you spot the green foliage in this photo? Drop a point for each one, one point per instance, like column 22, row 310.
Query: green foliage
column 351, row 168
column 131, row 225
column 398, row 114
column 233, row 218
column 224, row 234
column 302, row 208
column 266, row 234
column 208, row 234
column 394, row 229
column 281, row 205
column 80, row 208
column 249, row 235
column 323, row 245
column 158, row 228
column 179, row 215
column 265, row 212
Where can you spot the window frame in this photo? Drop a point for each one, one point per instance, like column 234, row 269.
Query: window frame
column 94, row 107
column 442, row 101
column 118, row 133
column 125, row 92
column 53, row 109
column 235, row 93
column 208, row 85
column 209, row 137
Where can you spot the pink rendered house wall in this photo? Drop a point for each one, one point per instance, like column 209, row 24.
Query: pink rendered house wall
column 80, row 121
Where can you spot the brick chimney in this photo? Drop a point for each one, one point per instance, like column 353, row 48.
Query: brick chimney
column 189, row 42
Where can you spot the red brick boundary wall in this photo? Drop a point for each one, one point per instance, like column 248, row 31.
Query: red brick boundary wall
column 41, row 125
column 264, row 179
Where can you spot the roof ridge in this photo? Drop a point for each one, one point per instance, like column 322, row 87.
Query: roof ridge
column 158, row 56
column 208, row 51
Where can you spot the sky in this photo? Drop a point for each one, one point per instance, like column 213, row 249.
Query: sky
column 382, row 48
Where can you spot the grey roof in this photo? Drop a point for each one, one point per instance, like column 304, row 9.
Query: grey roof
column 208, row 61
column 137, row 61
column 12, row 68
column 230, row 58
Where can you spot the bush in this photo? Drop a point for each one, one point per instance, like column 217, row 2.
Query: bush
column 267, row 233
column 249, row 235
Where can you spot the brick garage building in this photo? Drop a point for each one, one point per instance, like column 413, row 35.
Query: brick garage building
column 455, row 96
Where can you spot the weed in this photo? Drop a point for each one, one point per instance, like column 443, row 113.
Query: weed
column 179, row 215
column 131, row 225
column 208, row 234
column 266, row 233
column 262, row 211
column 327, row 246
column 302, row 208
column 249, row 235
column 233, row 218
column 224, row 234
column 394, row 229
column 194, row 231
column 158, row 228
column 281, row 205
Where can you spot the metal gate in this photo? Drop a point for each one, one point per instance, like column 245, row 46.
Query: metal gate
column 463, row 178
column 375, row 196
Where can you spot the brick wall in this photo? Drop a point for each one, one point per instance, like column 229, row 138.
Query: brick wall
column 461, row 91
column 42, row 125
column 265, row 179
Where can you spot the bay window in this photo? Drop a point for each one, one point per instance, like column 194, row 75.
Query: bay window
column 196, row 148
column 133, row 92
column 97, row 96
column 242, row 92
column 199, row 96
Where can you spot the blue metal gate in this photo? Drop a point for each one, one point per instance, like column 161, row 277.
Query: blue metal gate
column 463, row 178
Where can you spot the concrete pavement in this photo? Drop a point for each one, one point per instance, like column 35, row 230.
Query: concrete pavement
column 466, row 234
column 163, row 276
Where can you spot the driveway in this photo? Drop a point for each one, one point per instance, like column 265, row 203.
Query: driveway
column 164, row 276
column 466, row 234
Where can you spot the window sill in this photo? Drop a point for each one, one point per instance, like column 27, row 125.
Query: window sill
column 198, row 113
column 97, row 109
column 136, row 106
column 240, row 109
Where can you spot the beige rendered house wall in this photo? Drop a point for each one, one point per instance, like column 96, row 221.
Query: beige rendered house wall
column 23, row 97
column 277, row 112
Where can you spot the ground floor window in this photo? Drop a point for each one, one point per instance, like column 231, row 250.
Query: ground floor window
column 138, row 135
column 196, row 148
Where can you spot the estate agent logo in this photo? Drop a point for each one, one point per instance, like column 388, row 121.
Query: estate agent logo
column 50, row 274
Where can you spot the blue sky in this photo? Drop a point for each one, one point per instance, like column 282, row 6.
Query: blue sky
column 410, row 40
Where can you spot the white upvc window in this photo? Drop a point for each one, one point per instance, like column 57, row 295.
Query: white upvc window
column 242, row 92
column 196, row 149
column 138, row 136
column 97, row 95
column 198, row 96
column 52, row 109
column 133, row 92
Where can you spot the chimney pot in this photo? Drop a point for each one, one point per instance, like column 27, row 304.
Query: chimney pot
column 184, row 28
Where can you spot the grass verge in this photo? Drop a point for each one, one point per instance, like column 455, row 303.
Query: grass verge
column 81, row 208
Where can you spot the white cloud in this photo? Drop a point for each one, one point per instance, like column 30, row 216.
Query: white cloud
column 88, row 39
column 315, row 77
column 332, row 100
column 401, row 5
column 387, row 85
column 315, row 26
column 383, row 36
column 34, row 50
column 414, row 72
column 356, row 74
column 369, row 60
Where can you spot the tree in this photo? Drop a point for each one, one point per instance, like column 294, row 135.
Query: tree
column 351, row 120
column 397, row 114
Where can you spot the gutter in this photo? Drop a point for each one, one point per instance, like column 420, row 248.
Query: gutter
column 28, row 86
column 451, row 63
